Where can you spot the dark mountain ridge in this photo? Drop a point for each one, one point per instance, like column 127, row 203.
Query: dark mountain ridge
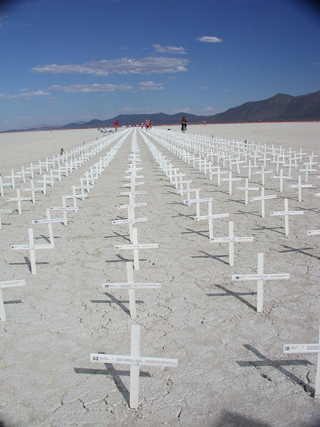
column 278, row 108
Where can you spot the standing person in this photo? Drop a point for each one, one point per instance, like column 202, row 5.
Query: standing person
column 116, row 124
column 183, row 124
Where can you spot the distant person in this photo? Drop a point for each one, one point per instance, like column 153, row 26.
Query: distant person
column 204, row 123
column 116, row 124
column 183, row 124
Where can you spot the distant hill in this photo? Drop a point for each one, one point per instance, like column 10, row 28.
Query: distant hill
column 279, row 108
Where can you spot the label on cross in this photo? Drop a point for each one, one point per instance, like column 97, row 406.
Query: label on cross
column 276, row 276
column 301, row 348
column 133, row 360
column 197, row 201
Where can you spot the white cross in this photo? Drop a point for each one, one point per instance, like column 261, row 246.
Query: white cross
column 33, row 190
column 23, row 173
column 136, row 247
column 64, row 209
column 307, row 348
column 131, row 215
column 250, row 167
column 19, row 199
column 299, row 186
column 32, row 248
column 131, row 286
column 218, row 173
column 281, row 177
column 197, row 201
column 135, row 361
column 230, row 180
column 210, row 217
column 12, row 177
column 246, row 189
column 286, row 214
column 8, row 284
column 262, row 198
column 50, row 221
column 231, row 239
column 3, row 184
column 260, row 278
column 4, row 211
column 262, row 173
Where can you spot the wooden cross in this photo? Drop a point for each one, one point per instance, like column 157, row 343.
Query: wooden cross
column 12, row 177
column 230, row 180
column 8, row 284
column 307, row 348
column 136, row 246
column 286, row 214
column 50, row 221
column 131, row 286
column 246, row 189
column 3, row 185
column 281, row 177
column 64, row 208
column 19, row 199
column 218, row 173
column 32, row 248
column 262, row 172
column 135, row 361
column 260, row 278
column 23, row 173
column 299, row 186
column 197, row 201
column 210, row 217
column 231, row 239
column 131, row 215
column 250, row 167
column 262, row 198
column 33, row 190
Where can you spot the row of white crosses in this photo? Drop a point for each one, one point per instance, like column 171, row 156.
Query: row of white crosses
column 261, row 277
column 135, row 360
column 210, row 217
column 72, row 163
column 32, row 247
column 208, row 149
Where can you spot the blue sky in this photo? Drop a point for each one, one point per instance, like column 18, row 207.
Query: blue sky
column 75, row 60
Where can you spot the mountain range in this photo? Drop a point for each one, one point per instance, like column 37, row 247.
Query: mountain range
column 279, row 108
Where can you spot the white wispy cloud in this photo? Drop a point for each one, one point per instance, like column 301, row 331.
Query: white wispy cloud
column 148, row 65
column 208, row 109
column 26, row 95
column 82, row 88
column 204, row 88
column 169, row 49
column 151, row 86
column 209, row 39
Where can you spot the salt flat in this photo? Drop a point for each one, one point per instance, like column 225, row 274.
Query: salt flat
column 232, row 370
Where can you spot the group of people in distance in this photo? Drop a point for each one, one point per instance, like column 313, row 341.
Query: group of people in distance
column 148, row 124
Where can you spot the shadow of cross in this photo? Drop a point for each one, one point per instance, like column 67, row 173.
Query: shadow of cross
column 277, row 364
column 114, row 300
column 237, row 295
column 207, row 255
column 115, row 374
column 301, row 251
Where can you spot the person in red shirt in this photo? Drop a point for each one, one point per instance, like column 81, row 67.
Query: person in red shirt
column 116, row 124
